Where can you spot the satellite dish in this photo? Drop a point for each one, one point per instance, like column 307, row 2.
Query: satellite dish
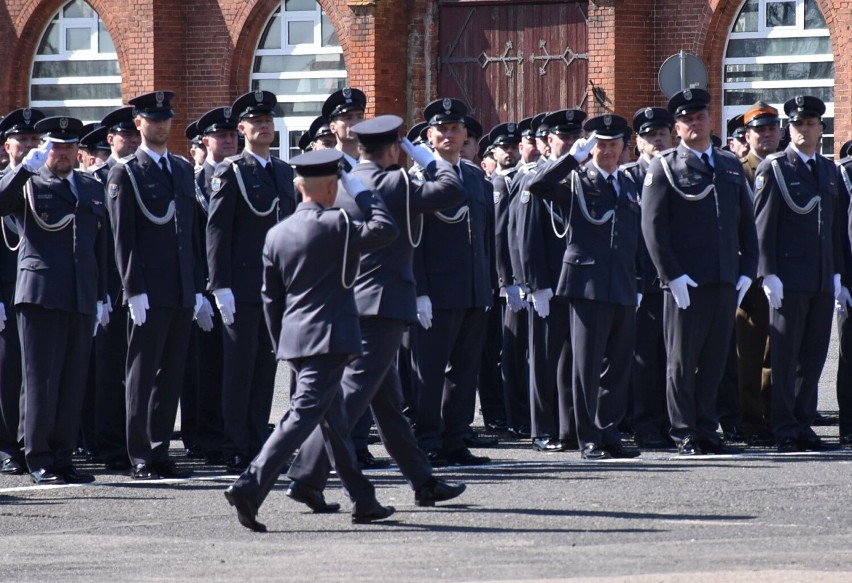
column 682, row 71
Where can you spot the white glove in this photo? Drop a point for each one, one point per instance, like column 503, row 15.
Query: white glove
column 541, row 301
column 2, row 316
column 743, row 283
column 420, row 154
column 680, row 290
column 583, row 147
column 844, row 301
column 424, row 311
column 36, row 157
column 638, row 299
column 837, row 286
column 226, row 304
column 199, row 300
column 774, row 290
column 352, row 185
column 512, row 293
column 138, row 306
column 204, row 315
column 99, row 315
column 105, row 317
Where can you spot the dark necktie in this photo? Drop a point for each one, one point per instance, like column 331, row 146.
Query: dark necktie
column 812, row 165
column 706, row 159
column 610, row 180
column 271, row 170
column 67, row 183
column 164, row 164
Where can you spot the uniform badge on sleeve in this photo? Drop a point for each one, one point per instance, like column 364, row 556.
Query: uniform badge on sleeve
column 112, row 190
column 759, row 181
column 216, row 184
column 496, row 197
column 525, row 197
column 649, row 179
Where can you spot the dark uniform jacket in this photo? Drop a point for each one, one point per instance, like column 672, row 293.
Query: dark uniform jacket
column 712, row 240
column 501, row 182
column 514, row 235
column 803, row 250
column 454, row 263
column 63, row 269
column 308, row 310
column 650, row 280
column 844, row 180
column 600, row 261
column 235, row 228
column 101, row 174
column 385, row 286
column 163, row 261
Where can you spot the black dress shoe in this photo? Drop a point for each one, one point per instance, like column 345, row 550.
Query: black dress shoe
column 788, row 445
column 378, row 512
column 45, row 476
column 593, row 451
column 12, row 466
column 813, row 444
column 72, row 476
column 463, row 457
column 521, row 431
column 194, row 452
column 618, row 451
column 479, row 441
column 366, row 461
column 546, row 444
column 436, row 490
column 762, row 438
column 688, row 446
column 170, row 471
column 143, row 472
column 246, row 510
column 436, row 458
column 496, row 425
column 117, row 464
column 652, row 441
column 734, row 434
column 236, row 464
column 570, row 444
column 717, row 448
column 311, row 497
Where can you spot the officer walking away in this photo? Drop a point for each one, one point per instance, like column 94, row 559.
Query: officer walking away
column 310, row 264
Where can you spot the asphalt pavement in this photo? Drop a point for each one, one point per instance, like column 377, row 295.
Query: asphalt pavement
column 527, row 516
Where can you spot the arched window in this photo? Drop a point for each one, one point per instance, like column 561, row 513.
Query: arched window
column 300, row 60
column 75, row 68
column 778, row 49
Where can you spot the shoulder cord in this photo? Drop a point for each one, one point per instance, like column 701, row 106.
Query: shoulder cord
column 243, row 191
column 816, row 201
column 170, row 212
column 846, row 179
column 690, row 197
column 411, row 240
column 20, row 237
column 199, row 196
column 346, row 255
column 49, row 227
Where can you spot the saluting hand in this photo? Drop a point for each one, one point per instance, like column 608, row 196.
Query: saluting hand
column 36, row 157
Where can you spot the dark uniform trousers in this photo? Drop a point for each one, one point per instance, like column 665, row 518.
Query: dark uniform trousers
column 551, row 400
column 317, row 401
column 444, row 376
column 110, row 408
column 370, row 382
column 650, row 416
column 697, row 341
column 208, row 366
column 514, row 367
column 11, row 386
column 844, row 372
column 796, row 363
column 490, row 386
column 56, row 346
column 753, row 366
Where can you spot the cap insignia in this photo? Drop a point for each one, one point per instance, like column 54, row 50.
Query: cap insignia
column 63, row 123
column 227, row 112
column 687, row 94
column 649, row 113
column 569, row 115
column 800, row 101
column 607, row 119
column 447, row 104
column 28, row 114
column 160, row 97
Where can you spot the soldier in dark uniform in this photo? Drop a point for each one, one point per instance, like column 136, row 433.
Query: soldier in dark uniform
column 157, row 247
column 218, row 133
column 599, row 278
column 763, row 135
column 197, row 150
column 94, row 147
column 19, row 136
column 650, row 418
column 251, row 192
column 844, row 322
column 60, row 292
column 505, row 139
column 110, row 345
column 540, row 226
column 343, row 109
column 737, row 144
column 384, row 293
column 801, row 261
column 321, row 136
column 453, row 269
column 310, row 264
column 698, row 223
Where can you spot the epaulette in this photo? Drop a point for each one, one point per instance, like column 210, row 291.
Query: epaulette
column 232, row 159
column 95, row 167
column 774, row 156
column 629, row 165
column 667, row 152
column 126, row 159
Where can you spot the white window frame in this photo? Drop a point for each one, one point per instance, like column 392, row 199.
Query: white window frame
column 287, row 125
column 764, row 32
column 94, row 25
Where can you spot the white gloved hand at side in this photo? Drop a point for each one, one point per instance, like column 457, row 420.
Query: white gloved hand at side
column 774, row 290
column 512, row 293
column 680, row 290
column 743, row 283
column 226, row 304
column 424, row 311
column 541, row 301
column 204, row 316
column 138, row 307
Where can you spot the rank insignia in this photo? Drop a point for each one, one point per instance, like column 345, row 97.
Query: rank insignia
column 649, row 179
column 496, row 196
column 112, row 190
column 525, row 197
column 216, row 184
column 759, row 182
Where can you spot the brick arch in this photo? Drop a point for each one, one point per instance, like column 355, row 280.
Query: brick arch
column 35, row 16
column 249, row 22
